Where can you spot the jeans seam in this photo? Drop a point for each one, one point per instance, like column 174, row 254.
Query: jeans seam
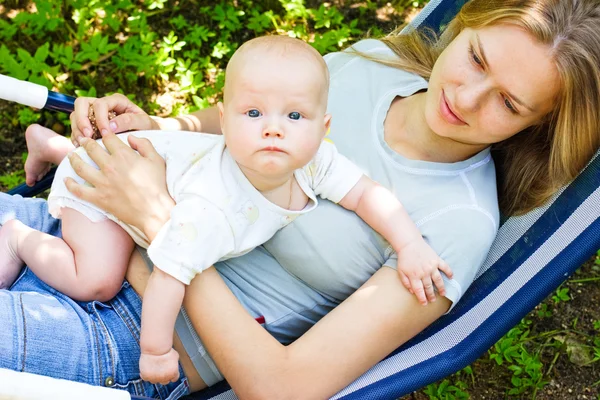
column 108, row 342
column 98, row 352
column 24, row 332
column 126, row 319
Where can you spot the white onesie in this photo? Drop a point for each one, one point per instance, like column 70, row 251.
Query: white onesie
column 218, row 213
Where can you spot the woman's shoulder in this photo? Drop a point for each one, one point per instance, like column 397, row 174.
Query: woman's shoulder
column 371, row 46
column 355, row 59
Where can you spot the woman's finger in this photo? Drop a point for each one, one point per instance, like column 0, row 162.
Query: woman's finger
column 131, row 122
column 101, row 115
column 80, row 191
column 81, row 115
column 144, row 147
column 115, row 145
column 99, row 155
column 121, row 105
column 80, row 122
column 84, row 170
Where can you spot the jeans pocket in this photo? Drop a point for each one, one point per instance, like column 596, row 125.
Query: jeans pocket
column 139, row 387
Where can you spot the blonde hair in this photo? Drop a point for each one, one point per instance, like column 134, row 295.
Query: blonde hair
column 534, row 163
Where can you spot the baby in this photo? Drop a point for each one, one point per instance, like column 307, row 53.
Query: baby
column 232, row 193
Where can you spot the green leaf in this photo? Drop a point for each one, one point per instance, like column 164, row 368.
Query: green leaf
column 42, row 52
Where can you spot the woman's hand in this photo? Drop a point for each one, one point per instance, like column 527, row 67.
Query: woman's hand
column 129, row 116
column 129, row 185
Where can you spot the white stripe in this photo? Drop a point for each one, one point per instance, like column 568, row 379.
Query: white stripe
column 460, row 329
column 515, row 227
column 228, row 395
column 423, row 14
column 22, row 92
column 512, row 230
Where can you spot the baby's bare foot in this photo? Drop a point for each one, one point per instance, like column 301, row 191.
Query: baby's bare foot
column 36, row 165
column 45, row 147
column 10, row 263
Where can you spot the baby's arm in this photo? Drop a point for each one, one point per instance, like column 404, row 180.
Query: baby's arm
column 196, row 235
column 418, row 264
column 159, row 362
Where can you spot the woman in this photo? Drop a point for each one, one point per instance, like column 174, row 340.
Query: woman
column 520, row 75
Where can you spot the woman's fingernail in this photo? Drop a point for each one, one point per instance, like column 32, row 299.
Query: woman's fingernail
column 113, row 126
column 87, row 132
column 104, row 132
column 82, row 140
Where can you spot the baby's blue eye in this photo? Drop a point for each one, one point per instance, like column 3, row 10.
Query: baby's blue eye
column 294, row 115
column 253, row 113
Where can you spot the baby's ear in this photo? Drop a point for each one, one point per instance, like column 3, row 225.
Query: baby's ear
column 327, row 122
column 221, row 108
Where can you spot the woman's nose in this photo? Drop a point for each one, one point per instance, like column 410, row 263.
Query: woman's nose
column 470, row 97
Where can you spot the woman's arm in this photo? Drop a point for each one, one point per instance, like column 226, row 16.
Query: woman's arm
column 370, row 324
column 205, row 120
column 131, row 117
column 366, row 327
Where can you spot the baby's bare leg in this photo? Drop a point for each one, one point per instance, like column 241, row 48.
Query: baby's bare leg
column 89, row 264
column 44, row 147
column 10, row 262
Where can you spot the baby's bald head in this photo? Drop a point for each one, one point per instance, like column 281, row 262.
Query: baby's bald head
column 279, row 52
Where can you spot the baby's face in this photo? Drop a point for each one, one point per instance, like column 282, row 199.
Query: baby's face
column 274, row 113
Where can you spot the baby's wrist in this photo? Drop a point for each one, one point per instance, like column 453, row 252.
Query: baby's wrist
column 151, row 348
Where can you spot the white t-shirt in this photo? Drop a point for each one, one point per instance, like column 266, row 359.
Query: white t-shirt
column 218, row 213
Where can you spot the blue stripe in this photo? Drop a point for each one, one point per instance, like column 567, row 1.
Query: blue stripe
column 210, row 392
column 442, row 15
column 488, row 333
column 60, row 102
column 572, row 197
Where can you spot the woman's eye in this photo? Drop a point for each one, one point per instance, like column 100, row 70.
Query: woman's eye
column 509, row 105
column 474, row 57
column 294, row 115
column 253, row 113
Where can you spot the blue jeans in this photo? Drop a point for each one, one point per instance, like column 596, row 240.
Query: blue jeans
column 45, row 332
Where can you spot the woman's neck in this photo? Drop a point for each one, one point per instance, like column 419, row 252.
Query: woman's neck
column 406, row 131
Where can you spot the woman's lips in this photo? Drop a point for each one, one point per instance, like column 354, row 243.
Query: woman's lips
column 447, row 112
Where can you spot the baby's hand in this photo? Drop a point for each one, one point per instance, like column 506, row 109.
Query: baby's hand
column 161, row 369
column 419, row 268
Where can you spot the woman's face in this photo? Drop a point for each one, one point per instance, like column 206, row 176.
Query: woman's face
column 490, row 84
